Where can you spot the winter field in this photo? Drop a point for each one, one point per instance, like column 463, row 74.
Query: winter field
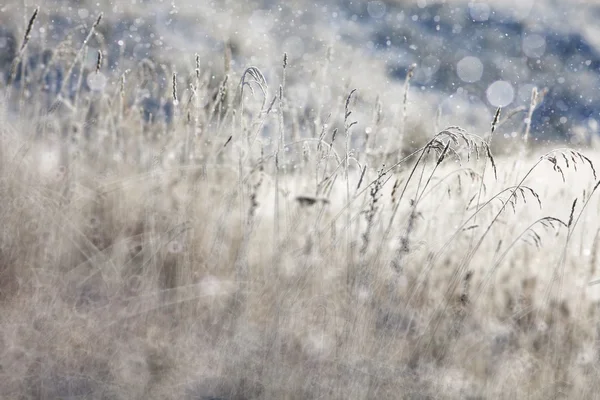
column 299, row 200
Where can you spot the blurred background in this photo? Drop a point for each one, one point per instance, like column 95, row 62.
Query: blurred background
column 470, row 56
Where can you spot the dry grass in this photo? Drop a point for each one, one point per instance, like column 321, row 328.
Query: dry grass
column 171, row 235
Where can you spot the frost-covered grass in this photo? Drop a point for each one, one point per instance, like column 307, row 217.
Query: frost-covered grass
column 213, row 230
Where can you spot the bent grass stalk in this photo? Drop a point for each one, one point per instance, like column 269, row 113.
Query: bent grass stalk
column 550, row 156
column 498, row 262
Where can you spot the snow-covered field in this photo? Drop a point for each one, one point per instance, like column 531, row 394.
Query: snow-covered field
column 299, row 200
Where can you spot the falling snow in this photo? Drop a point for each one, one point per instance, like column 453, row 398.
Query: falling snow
column 470, row 69
column 376, row 9
column 487, row 53
column 500, row 93
column 96, row 81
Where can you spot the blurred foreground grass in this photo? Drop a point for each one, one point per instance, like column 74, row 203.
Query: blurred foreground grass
column 206, row 234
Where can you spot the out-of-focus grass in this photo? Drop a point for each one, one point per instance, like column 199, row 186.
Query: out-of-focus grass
column 256, row 243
